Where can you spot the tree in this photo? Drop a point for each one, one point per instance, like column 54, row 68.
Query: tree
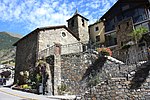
column 136, row 35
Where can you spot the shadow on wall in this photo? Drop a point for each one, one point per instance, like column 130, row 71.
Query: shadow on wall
column 94, row 68
column 140, row 76
column 50, row 61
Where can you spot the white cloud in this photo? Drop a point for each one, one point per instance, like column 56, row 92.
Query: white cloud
column 17, row 12
column 36, row 13
column 55, row 4
column 41, row 11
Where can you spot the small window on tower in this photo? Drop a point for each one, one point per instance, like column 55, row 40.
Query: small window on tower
column 118, row 26
column 127, row 23
column 96, row 28
column 97, row 38
column 83, row 24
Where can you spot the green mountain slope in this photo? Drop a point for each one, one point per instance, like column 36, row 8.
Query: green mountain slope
column 6, row 40
column 7, row 51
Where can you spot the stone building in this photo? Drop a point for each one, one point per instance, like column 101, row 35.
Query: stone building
column 123, row 30
column 79, row 25
column 96, row 32
column 135, row 10
column 42, row 41
column 146, row 38
column 119, row 21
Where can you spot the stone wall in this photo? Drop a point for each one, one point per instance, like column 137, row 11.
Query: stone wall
column 112, row 79
column 26, row 55
column 131, row 54
column 121, row 82
column 73, row 68
column 123, row 29
column 48, row 38
column 77, row 70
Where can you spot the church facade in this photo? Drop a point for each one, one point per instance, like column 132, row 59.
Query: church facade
column 71, row 39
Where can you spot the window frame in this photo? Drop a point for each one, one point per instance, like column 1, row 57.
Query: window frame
column 97, row 38
column 65, row 34
column 96, row 28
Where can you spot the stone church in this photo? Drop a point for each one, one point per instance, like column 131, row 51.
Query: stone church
column 41, row 42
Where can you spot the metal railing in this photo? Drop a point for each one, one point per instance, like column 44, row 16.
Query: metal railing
column 131, row 57
column 46, row 52
column 65, row 49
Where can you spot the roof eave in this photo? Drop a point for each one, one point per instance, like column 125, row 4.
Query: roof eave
column 47, row 28
column 36, row 30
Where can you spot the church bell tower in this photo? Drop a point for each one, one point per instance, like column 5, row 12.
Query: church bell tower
column 79, row 26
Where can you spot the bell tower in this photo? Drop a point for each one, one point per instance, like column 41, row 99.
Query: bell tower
column 79, row 26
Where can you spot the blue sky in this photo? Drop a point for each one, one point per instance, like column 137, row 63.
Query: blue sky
column 23, row 16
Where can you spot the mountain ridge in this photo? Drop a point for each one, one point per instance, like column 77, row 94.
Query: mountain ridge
column 7, row 40
column 14, row 35
column 7, row 50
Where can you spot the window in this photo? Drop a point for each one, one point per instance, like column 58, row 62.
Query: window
column 121, row 43
column 111, row 39
column 118, row 26
column 119, row 18
column 83, row 24
column 96, row 28
column 146, row 25
column 109, row 25
column 137, row 26
column 128, row 14
column 84, row 48
column 127, row 23
column 139, row 15
column 137, row 19
column 97, row 38
column 63, row 34
column 48, row 45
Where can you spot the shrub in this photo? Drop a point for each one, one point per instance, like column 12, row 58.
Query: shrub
column 26, row 86
column 62, row 89
column 94, row 81
column 38, row 78
column 104, row 51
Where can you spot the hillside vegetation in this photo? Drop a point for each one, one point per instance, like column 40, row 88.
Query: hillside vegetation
column 7, row 51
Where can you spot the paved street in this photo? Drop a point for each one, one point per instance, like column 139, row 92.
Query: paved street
column 9, row 94
column 4, row 96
